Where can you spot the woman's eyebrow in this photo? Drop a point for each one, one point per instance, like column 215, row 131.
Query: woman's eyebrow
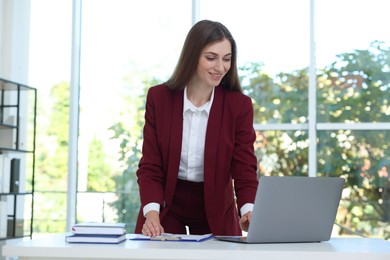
column 216, row 54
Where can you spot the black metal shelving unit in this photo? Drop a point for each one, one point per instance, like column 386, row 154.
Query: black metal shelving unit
column 18, row 102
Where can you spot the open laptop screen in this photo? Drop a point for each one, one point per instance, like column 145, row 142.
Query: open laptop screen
column 294, row 209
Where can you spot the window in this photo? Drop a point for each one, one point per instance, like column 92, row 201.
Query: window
column 127, row 46
column 353, row 109
column 49, row 71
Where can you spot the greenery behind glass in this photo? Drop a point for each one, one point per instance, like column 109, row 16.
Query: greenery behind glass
column 283, row 99
column 354, row 88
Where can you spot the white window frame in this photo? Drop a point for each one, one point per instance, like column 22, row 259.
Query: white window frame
column 312, row 126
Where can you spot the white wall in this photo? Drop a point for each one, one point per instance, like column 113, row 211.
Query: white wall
column 14, row 39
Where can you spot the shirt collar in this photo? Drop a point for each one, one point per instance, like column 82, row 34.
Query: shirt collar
column 189, row 106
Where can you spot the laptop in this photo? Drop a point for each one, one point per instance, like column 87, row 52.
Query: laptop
column 293, row 210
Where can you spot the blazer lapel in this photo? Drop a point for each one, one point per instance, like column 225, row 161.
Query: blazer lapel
column 176, row 132
column 211, row 142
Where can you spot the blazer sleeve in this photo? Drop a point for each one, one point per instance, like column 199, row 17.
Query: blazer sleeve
column 150, row 171
column 244, row 161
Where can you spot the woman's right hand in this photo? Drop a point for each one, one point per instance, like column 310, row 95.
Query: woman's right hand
column 152, row 226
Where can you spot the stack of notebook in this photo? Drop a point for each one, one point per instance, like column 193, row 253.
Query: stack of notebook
column 111, row 233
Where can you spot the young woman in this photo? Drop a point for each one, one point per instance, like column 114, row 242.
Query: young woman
column 198, row 163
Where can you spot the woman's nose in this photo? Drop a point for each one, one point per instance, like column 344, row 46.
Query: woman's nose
column 219, row 65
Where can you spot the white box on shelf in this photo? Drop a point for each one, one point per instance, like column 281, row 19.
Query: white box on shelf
column 3, row 200
column 3, row 216
column 8, row 135
column 6, row 171
column 1, row 172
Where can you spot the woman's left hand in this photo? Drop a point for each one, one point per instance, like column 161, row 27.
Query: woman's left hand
column 245, row 220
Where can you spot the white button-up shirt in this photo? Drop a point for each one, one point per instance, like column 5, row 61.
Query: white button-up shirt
column 194, row 134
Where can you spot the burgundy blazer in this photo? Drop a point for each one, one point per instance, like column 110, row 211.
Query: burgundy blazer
column 229, row 159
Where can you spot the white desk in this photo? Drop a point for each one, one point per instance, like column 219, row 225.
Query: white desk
column 55, row 247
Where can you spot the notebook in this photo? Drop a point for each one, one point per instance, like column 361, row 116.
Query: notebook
column 292, row 210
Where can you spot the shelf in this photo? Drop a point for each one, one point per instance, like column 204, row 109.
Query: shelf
column 17, row 130
column 10, row 85
column 10, row 106
column 16, row 193
column 6, row 149
column 13, row 237
column 7, row 126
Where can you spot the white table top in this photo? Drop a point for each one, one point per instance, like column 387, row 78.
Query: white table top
column 55, row 247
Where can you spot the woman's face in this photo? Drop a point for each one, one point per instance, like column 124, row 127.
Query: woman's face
column 214, row 63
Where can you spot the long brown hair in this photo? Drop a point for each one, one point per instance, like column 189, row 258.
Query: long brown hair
column 201, row 34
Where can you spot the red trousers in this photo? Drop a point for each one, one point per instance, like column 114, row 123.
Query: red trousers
column 187, row 209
